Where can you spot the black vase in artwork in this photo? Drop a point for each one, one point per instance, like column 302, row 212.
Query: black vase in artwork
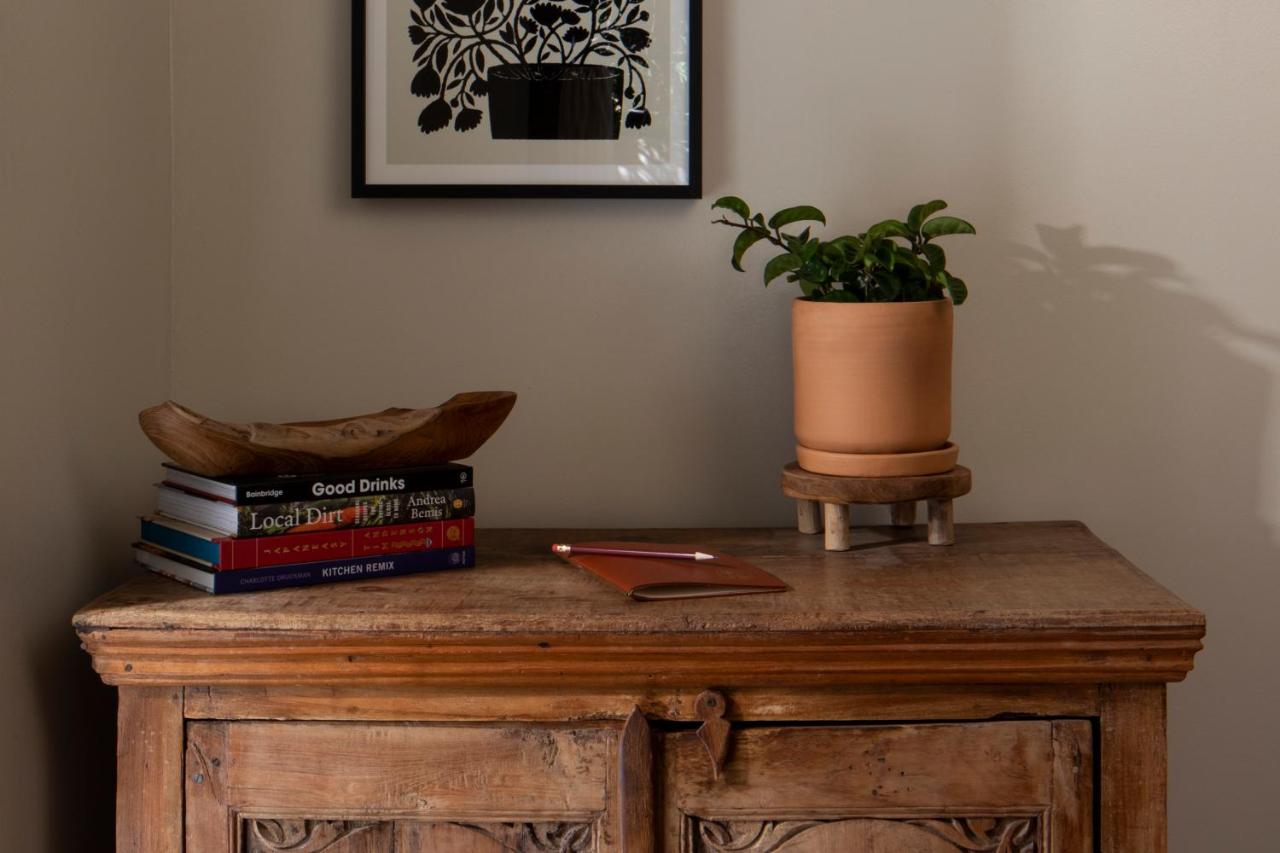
column 555, row 101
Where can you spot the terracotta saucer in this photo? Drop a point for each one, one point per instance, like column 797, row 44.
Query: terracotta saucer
column 878, row 464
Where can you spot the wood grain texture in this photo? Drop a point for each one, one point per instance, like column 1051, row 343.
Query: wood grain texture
column 125, row 657
column 1070, row 824
column 1035, row 576
column 1004, row 787
column 320, row 786
column 710, row 707
column 308, row 835
column 636, row 809
column 487, row 837
column 1029, row 603
column 808, row 517
column 836, row 535
column 149, row 770
column 504, row 704
column 799, row 483
column 868, row 835
column 942, row 521
column 841, row 770
column 1134, row 770
column 449, row 713
column 300, row 835
column 394, row 438
column 211, row 825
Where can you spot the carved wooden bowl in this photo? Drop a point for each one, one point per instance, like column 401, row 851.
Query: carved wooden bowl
column 394, row 438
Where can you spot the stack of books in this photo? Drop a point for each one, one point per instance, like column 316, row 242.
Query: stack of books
column 236, row 534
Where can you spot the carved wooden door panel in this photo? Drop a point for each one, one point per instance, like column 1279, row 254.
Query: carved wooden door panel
column 1007, row 787
column 263, row 787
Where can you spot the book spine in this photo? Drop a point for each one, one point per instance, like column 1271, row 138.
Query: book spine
column 351, row 543
column 343, row 570
column 179, row 541
column 371, row 511
column 324, row 486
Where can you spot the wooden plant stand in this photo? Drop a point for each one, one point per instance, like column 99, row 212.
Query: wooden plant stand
column 835, row 494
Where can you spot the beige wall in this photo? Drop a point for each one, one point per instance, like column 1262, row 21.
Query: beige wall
column 1118, row 362
column 84, row 331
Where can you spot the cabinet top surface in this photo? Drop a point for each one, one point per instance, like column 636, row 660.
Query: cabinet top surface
column 997, row 577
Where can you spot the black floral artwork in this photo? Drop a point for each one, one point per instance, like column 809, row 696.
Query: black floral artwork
column 543, row 69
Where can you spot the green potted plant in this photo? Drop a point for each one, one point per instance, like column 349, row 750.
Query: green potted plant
column 871, row 336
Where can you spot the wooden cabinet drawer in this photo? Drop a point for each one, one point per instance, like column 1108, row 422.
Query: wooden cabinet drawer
column 1004, row 787
column 262, row 787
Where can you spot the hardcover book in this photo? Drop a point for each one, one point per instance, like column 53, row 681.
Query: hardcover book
column 249, row 580
column 310, row 487
column 225, row 553
column 276, row 519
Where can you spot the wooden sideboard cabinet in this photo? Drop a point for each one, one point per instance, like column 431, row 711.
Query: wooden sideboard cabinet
column 1004, row 695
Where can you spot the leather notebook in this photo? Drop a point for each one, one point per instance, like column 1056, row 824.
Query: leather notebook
column 660, row 579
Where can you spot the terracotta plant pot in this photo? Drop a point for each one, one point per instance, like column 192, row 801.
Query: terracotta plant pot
column 873, row 387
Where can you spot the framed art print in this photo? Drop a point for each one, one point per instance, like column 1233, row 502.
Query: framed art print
column 589, row 98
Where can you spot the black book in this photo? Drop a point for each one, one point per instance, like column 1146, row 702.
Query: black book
column 247, row 580
column 247, row 491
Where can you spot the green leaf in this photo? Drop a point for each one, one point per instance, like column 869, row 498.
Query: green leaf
column 779, row 265
column 734, row 204
column 958, row 290
column 940, row 226
column 890, row 287
column 904, row 257
column 745, row 241
column 936, row 258
column 803, row 213
column 814, row 271
column 921, row 212
column 889, row 228
column 887, row 253
column 758, row 219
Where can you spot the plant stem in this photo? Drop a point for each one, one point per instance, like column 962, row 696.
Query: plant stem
column 587, row 45
column 759, row 229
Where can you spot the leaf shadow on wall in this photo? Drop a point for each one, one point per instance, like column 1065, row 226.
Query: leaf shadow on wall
column 1101, row 382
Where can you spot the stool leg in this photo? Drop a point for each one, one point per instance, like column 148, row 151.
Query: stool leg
column 942, row 523
column 809, row 516
column 903, row 514
column 837, row 526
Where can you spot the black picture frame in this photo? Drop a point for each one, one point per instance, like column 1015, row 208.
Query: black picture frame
column 361, row 188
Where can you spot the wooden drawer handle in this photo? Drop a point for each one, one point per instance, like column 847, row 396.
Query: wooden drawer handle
column 714, row 731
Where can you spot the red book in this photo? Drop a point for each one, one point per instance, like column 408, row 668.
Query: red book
column 225, row 553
